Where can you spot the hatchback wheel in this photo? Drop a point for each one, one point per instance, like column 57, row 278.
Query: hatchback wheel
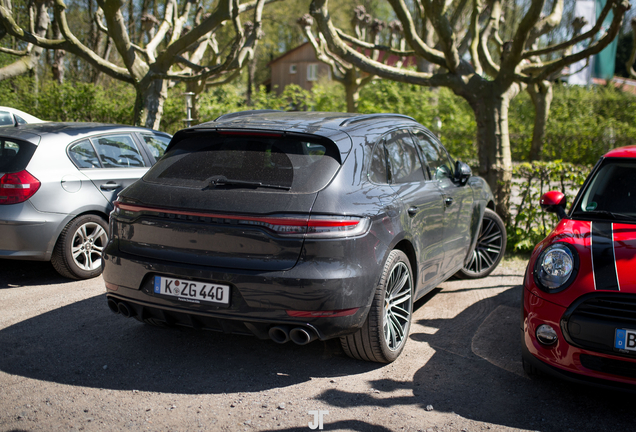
column 489, row 250
column 78, row 252
column 386, row 329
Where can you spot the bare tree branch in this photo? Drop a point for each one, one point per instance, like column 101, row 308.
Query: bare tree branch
column 595, row 48
column 580, row 38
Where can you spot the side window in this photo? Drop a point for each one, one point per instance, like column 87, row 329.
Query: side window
column 404, row 162
column 377, row 169
column 118, row 151
column 6, row 118
column 83, row 155
column 156, row 144
column 437, row 159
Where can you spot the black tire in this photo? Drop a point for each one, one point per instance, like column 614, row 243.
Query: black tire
column 78, row 251
column 489, row 249
column 386, row 329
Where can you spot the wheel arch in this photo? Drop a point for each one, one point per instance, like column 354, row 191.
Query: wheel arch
column 406, row 246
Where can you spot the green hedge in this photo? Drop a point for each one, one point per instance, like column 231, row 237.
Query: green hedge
column 529, row 224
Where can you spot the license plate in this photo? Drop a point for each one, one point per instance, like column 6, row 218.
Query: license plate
column 193, row 292
column 625, row 339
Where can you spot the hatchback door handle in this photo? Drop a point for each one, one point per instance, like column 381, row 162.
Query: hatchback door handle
column 412, row 211
column 448, row 201
column 109, row 186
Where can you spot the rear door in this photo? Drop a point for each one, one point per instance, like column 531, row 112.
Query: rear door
column 458, row 200
column 112, row 162
column 422, row 201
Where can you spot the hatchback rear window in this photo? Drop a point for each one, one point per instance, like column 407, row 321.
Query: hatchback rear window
column 15, row 155
column 259, row 162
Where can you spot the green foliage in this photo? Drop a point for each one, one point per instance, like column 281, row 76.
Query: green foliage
column 70, row 101
column 425, row 105
column 582, row 126
column 529, row 224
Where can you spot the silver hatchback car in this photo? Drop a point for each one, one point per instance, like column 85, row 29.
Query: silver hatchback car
column 57, row 185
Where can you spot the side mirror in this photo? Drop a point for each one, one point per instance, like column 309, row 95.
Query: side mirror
column 554, row 202
column 462, row 172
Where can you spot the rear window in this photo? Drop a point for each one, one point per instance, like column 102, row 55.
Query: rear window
column 237, row 162
column 15, row 155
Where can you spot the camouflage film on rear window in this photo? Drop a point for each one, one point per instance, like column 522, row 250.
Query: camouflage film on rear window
column 259, row 162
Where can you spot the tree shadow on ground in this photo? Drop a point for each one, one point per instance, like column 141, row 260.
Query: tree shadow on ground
column 457, row 380
column 85, row 344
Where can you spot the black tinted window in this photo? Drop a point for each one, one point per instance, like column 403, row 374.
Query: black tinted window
column 438, row 161
column 404, row 162
column 612, row 189
column 302, row 166
column 377, row 170
column 83, row 155
column 15, row 155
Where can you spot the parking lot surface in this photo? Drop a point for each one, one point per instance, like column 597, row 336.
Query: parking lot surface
column 68, row 363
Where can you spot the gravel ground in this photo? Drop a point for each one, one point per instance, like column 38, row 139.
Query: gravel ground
column 68, row 363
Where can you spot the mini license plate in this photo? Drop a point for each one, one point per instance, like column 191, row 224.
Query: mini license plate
column 193, row 292
column 625, row 339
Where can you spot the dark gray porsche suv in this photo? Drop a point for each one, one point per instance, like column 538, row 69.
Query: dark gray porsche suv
column 299, row 226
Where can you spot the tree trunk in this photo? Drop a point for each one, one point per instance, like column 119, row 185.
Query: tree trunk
column 495, row 161
column 541, row 95
column 57, row 66
column 352, row 90
column 150, row 97
column 251, row 77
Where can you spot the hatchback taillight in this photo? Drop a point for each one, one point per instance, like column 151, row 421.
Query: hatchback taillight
column 17, row 187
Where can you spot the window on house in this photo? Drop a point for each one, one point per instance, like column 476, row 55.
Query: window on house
column 312, row 72
column 292, row 69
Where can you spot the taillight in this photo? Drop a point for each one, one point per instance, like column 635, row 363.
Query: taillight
column 315, row 226
column 17, row 187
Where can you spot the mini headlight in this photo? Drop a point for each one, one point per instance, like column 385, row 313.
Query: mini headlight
column 555, row 266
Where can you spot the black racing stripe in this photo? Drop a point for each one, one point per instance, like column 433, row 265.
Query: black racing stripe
column 603, row 257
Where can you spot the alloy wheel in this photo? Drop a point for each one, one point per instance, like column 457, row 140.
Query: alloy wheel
column 488, row 249
column 398, row 305
column 88, row 243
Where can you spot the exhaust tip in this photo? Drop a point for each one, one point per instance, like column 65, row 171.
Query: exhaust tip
column 125, row 310
column 279, row 334
column 112, row 305
column 301, row 336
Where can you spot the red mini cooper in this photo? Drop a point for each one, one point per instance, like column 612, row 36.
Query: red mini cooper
column 579, row 297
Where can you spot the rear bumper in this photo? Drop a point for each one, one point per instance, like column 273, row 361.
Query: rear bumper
column 259, row 298
column 565, row 360
column 28, row 234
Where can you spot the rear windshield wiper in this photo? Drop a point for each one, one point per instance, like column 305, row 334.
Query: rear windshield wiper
column 224, row 181
column 613, row 215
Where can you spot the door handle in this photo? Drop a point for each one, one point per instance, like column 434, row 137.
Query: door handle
column 412, row 211
column 448, row 201
column 109, row 186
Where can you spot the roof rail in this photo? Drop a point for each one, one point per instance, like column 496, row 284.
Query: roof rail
column 364, row 117
column 244, row 113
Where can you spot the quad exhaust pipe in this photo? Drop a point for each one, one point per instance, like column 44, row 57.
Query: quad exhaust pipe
column 299, row 335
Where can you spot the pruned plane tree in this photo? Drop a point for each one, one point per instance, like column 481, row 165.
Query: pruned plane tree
column 490, row 73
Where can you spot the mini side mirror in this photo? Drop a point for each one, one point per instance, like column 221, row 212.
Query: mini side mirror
column 554, row 202
column 462, row 172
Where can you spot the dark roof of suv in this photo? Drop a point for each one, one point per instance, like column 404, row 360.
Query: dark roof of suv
column 303, row 120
